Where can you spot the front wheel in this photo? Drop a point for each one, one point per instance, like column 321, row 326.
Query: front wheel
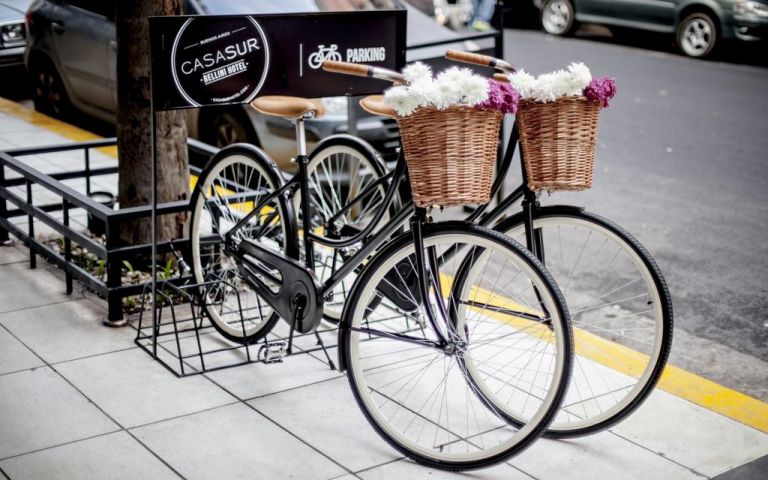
column 506, row 323
column 620, row 308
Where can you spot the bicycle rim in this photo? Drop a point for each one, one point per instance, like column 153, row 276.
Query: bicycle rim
column 621, row 314
column 421, row 400
column 226, row 192
column 337, row 174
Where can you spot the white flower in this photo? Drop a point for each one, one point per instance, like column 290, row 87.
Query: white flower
column 475, row 89
column 581, row 76
column 547, row 88
column 401, row 99
column 454, row 74
column 445, row 92
column 421, row 90
column 417, row 71
column 523, row 82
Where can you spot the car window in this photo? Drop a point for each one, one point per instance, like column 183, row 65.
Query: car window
column 104, row 8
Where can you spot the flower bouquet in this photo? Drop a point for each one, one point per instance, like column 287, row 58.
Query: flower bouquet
column 449, row 125
column 557, row 118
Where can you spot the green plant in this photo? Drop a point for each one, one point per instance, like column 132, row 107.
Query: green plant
column 101, row 268
column 165, row 271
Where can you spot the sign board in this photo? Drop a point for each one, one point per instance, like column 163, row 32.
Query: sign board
column 224, row 60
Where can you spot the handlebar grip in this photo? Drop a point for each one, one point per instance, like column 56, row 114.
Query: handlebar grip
column 360, row 70
column 467, row 57
column 346, row 68
column 501, row 77
column 477, row 59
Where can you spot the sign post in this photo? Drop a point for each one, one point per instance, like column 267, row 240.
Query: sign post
column 200, row 61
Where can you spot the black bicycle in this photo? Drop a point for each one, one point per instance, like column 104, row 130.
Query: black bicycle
column 449, row 331
column 616, row 294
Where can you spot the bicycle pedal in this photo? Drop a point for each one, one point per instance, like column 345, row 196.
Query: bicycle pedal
column 273, row 352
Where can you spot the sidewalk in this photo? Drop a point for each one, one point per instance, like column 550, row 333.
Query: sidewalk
column 81, row 401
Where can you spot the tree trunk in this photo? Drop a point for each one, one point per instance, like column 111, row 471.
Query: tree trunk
column 134, row 135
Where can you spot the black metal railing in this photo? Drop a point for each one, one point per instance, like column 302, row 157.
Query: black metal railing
column 14, row 205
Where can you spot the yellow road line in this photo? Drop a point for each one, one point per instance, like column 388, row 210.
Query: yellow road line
column 705, row 393
column 44, row 121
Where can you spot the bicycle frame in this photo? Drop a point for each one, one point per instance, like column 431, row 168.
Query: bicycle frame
column 424, row 263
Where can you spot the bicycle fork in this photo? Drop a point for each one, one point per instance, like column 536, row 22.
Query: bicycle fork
column 428, row 274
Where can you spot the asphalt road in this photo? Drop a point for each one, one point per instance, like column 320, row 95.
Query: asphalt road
column 683, row 164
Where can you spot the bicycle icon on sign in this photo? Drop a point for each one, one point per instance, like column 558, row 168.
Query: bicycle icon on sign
column 322, row 54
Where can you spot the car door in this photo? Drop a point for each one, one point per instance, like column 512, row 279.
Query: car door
column 82, row 31
column 652, row 14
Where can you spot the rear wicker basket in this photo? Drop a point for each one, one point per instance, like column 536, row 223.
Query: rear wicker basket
column 451, row 154
column 558, row 142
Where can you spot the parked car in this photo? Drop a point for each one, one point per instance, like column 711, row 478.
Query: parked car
column 65, row 79
column 700, row 26
column 13, row 32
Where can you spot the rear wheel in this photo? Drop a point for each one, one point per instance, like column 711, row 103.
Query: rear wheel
column 49, row 94
column 697, row 35
column 344, row 200
column 227, row 126
column 231, row 186
column 558, row 17
column 509, row 325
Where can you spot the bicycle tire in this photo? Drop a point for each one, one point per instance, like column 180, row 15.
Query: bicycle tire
column 594, row 334
column 210, row 262
column 371, row 361
column 334, row 154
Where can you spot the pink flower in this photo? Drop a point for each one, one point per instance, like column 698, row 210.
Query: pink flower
column 601, row 90
column 501, row 96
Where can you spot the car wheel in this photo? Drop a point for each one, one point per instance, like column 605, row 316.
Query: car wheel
column 558, row 17
column 50, row 96
column 227, row 127
column 697, row 35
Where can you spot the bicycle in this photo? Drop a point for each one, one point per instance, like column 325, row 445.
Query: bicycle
column 449, row 330
column 322, row 54
column 617, row 296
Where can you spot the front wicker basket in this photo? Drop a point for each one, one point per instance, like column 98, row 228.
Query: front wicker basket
column 558, row 142
column 451, row 154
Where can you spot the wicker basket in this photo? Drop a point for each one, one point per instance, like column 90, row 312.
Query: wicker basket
column 558, row 142
column 451, row 154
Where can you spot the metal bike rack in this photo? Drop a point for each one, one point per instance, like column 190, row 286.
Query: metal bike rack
column 183, row 340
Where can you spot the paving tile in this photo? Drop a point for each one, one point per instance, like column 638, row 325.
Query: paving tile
column 116, row 456
column 67, row 331
column 327, row 417
column 692, row 435
column 135, row 390
column 14, row 356
column 39, row 410
column 407, row 470
column 12, row 254
column 22, row 287
column 599, row 456
column 234, row 442
column 257, row 379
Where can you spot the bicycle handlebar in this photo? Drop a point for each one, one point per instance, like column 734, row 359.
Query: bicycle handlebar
column 360, row 70
column 477, row 59
column 501, row 77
